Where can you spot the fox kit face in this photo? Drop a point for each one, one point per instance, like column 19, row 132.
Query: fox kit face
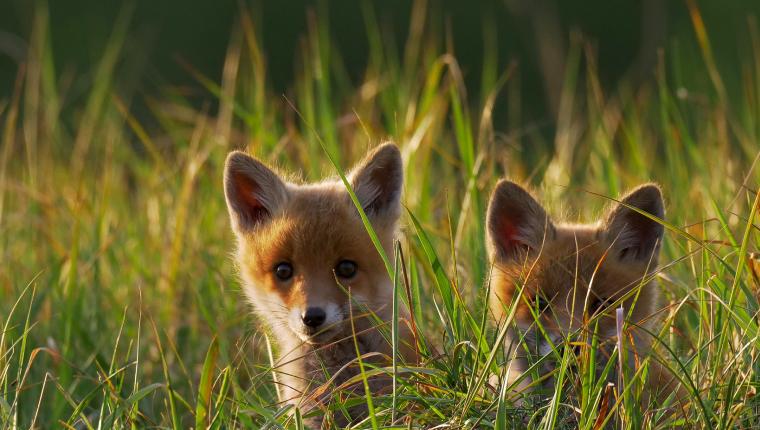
column 557, row 273
column 303, row 248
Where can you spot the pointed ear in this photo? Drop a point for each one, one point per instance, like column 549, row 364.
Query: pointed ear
column 516, row 222
column 634, row 236
column 377, row 182
column 254, row 193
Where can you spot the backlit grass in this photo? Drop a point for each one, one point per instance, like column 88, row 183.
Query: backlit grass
column 119, row 302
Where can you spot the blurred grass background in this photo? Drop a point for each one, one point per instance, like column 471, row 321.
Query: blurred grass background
column 119, row 302
column 501, row 31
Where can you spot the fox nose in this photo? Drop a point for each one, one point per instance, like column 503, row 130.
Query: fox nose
column 313, row 317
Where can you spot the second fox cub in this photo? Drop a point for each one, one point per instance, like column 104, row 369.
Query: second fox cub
column 312, row 273
column 559, row 275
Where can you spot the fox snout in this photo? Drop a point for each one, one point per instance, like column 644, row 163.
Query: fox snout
column 316, row 323
column 313, row 317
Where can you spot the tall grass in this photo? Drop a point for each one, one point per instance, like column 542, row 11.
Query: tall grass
column 121, row 308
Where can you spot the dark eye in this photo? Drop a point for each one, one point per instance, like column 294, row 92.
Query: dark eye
column 346, row 269
column 541, row 304
column 283, row 271
column 595, row 305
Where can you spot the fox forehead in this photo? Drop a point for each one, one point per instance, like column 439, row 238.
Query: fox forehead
column 575, row 256
column 318, row 226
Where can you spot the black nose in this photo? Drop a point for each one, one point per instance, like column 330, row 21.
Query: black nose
column 313, row 317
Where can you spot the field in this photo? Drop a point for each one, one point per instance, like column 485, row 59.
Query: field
column 120, row 306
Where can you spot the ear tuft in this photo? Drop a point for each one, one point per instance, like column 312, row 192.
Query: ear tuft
column 635, row 236
column 378, row 180
column 516, row 221
column 253, row 192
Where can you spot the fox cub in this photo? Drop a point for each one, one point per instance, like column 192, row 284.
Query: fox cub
column 312, row 274
column 561, row 275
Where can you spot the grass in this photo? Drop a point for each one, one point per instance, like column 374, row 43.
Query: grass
column 119, row 301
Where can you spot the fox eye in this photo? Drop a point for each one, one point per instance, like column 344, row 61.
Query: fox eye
column 595, row 304
column 540, row 303
column 283, row 271
column 346, row 269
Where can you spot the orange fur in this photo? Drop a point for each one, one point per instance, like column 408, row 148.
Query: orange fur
column 568, row 274
column 313, row 227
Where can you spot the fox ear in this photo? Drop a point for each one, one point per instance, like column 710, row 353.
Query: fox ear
column 633, row 235
column 377, row 182
column 516, row 222
column 253, row 192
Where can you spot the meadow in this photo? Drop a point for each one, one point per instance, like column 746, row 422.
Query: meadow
column 120, row 306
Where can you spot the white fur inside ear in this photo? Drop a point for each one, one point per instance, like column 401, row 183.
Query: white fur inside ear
column 632, row 234
column 626, row 238
column 515, row 221
column 367, row 193
column 530, row 236
column 377, row 182
column 254, row 193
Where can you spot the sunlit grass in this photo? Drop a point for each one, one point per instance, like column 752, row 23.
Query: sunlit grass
column 121, row 307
